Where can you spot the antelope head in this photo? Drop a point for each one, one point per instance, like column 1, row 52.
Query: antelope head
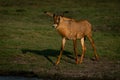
column 56, row 19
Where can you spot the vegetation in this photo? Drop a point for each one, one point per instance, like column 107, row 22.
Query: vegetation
column 29, row 46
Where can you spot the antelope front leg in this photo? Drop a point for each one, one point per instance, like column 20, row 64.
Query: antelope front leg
column 75, row 51
column 83, row 50
column 61, row 51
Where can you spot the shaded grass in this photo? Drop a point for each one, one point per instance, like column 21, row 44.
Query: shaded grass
column 25, row 28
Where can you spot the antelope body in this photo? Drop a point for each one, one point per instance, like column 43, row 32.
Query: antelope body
column 71, row 29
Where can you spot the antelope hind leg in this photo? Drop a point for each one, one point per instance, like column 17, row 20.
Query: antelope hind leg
column 93, row 45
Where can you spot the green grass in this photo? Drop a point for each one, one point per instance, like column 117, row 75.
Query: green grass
column 25, row 28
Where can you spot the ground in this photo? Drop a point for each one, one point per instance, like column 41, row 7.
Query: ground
column 29, row 46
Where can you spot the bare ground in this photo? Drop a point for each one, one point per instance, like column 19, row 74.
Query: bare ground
column 90, row 70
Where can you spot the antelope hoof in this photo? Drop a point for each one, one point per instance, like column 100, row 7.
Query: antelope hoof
column 57, row 62
column 97, row 58
column 80, row 61
column 77, row 61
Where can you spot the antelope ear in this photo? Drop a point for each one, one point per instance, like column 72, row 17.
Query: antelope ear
column 49, row 14
column 53, row 15
column 64, row 13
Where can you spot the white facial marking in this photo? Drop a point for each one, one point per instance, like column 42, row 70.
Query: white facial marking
column 55, row 25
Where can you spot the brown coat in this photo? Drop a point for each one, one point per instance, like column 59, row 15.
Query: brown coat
column 72, row 29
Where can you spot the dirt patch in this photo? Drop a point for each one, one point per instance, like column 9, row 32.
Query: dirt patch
column 92, row 70
column 89, row 70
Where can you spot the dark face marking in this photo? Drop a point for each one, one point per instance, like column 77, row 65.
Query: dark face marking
column 56, row 20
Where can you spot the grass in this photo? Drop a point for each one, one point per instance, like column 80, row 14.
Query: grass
column 28, row 43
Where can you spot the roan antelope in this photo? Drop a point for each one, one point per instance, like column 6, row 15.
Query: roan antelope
column 71, row 29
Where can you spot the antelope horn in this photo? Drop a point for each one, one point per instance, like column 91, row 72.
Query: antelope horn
column 49, row 14
column 65, row 12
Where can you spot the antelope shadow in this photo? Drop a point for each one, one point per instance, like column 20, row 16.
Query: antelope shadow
column 47, row 53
